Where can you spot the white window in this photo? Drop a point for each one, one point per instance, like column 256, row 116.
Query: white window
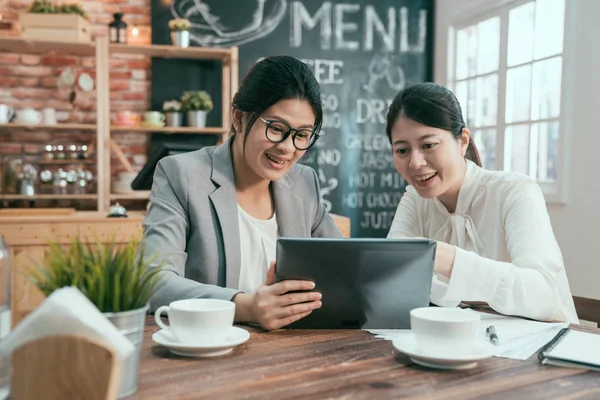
column 506, row 69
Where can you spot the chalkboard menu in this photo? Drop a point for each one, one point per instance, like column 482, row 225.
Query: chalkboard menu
column 362, row 53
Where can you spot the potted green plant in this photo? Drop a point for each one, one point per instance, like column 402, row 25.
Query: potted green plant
column 197, row 104
column 172, row 110
column 180, row 32
column 117, row 279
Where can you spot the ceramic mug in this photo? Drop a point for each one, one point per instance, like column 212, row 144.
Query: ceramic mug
column 198, row 321
column 448, row 331
column 49, row 116
column 6, row 113
column 154, row 118
column 29, row 116
column 124, row 117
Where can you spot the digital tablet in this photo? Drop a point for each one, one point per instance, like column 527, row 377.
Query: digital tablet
column 365, row 283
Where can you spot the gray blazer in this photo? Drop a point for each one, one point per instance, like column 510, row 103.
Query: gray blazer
column 192, row 222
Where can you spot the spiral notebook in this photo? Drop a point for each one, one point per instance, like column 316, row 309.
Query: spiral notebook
column 572, row 349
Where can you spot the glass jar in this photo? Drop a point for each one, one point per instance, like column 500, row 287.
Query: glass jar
column 117, row 29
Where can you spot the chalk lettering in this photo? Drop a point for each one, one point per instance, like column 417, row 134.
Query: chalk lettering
column 362, row 180
column 333, row 120
column 372, row 110
column 330, row 101
column 352, row 200
column 377, row 219
column 323, row 15
column 387, row 34
column 391, row 180
column 327, row 72
column 329, row 157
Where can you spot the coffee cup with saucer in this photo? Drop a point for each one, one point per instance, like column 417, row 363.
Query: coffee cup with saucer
column 443, row 338
column 154, row 119
column 199, row 328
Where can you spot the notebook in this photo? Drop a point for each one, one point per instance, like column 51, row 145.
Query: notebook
column 572, row 349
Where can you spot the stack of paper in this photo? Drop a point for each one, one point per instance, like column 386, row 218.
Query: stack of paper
column 519, row 339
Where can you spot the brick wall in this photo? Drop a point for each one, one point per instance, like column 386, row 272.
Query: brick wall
column 31, row 81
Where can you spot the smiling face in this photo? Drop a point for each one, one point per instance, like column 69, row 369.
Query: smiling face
column 261, row 159
column 430, row 159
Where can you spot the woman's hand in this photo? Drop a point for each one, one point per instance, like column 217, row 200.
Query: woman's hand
column 273, row 306
column 444, row 259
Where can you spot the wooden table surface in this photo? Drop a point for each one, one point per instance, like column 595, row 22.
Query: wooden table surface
column 344, row 364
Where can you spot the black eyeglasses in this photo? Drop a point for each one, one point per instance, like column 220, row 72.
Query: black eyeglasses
column 279, row 131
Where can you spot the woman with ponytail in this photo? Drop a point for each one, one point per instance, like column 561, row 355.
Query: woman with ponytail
column 494, row 238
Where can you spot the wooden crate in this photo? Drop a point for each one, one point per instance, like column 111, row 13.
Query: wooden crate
column 55, row 27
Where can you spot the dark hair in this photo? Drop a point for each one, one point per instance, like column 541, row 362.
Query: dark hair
column 432, row 105
column 274, row 79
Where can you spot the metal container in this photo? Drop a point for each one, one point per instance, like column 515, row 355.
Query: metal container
column 197, row 118
column 180, row 38
column 131, row 324
column 173, row 119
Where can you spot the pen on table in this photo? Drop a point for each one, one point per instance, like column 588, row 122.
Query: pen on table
column 491, row 332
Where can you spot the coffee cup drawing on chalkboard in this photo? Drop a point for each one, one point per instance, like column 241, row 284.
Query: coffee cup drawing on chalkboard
column 381, row 67
column 213, row 23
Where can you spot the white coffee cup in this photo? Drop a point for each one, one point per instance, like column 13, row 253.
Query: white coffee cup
column 49, row 116
column 198, row 321
column 6, row 113
column 154, row 118
column 444, row 331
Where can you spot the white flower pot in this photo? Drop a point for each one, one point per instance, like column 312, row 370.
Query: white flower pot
column 180, row 38
column 173, row 119
column 197, row 118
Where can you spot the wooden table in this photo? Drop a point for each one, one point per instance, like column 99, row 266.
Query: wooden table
column 343, row 364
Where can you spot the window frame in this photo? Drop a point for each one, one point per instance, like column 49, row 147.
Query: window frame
column 555, row 192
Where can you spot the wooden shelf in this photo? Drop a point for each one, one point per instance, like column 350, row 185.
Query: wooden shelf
column 184, row 129
column 67, row 162
column 169, row 51
column 53, row 127
column 20, row 45
column 49, row 197
column 136, row 195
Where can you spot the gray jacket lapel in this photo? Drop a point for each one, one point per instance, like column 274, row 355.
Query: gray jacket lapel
column 289, row 209
column 224, row 201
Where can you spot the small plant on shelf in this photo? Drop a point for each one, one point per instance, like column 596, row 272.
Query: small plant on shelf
column 180, row 31
column 198, row 100
column 172, row 110
column 197, row 104
column 179, row 24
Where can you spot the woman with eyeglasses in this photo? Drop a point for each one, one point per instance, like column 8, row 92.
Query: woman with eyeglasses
column 494, row 238
column 217, row 212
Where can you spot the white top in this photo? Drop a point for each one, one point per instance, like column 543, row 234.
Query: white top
column 257, row 244
column 506, row 252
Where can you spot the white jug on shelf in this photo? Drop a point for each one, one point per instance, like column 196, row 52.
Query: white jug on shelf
column 29, row 116
column 6, row 113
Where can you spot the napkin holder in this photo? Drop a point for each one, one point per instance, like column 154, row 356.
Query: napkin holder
column 64, row 367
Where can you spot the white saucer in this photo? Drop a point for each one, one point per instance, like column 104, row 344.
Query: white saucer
column 233, row 338
column 407, row 344
column 153, row 125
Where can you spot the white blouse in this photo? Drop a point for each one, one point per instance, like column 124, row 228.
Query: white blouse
column 258, row 239
column 506, row 252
